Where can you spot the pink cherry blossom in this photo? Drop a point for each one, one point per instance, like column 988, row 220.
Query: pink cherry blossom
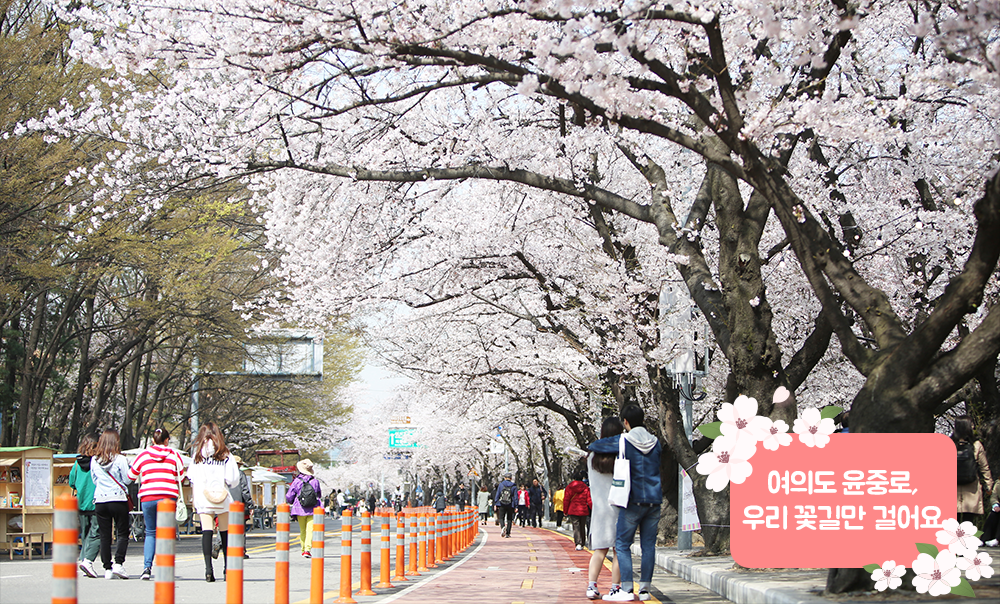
column 976, row 565
column 936, row 575
column 727, row 462
column 776, row 435
column 889, row 576
column 740, row 419
column 813, row 429
column 959, row 538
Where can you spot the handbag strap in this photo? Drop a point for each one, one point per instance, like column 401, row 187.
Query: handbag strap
column 621, row 446
column 113, row 478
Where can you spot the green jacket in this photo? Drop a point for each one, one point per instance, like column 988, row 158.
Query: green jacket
column 82, row 483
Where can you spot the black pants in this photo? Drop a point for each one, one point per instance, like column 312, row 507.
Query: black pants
column 112, row 513
column 535, row 515
column 505, row 514
column 559, row 518
column 991, row 530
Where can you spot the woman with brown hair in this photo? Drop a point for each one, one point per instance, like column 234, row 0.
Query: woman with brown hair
column 972, row 467
column 83, row 487
column 212, row 473
column 604, row 516
column 109, row 470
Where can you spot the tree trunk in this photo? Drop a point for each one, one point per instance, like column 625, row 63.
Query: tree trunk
column 32, row 359
column 72, row 439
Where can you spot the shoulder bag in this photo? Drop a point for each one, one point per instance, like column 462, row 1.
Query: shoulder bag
column 621, row 480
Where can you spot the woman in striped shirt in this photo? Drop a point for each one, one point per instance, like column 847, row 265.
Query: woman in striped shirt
column 160, row 470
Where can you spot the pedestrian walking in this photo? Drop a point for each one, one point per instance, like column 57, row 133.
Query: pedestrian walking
column 576, row 501
column 523, row 503
column 557, row 505
column 972, row 469
column 991, row 529
column 304, row 495
column 503, row 503
column 109, row 471
column 241, row 493
column 439, row 502
column 604, row 516
column 212, row 473
column 159, row 470
column 537, row 494
column 461, row 497
column 642, row 450
column 82, row 484
column 483, row 503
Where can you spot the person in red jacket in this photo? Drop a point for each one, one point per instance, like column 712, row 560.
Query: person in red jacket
column 576, row 505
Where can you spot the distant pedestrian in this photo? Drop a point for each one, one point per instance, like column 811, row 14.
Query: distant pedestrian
column 972, row 469
column 109, row 470
column 461, row 497
column 991, row 530
column 642, row 450
column 538, row 495
column 82, row 484
column 303, row 502
column 577, row 504
column 523, row 504
column 503, row 503
column 604, row 516
column 557, row 505
column 439, row 502
column 241, row 493
column 159, row 470
column 213, row 471
column 483, row 503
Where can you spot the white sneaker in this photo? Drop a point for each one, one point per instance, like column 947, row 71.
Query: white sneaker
column 643, row 595
column 119, row 571
column 579, row 547
column 592, row 593
column 87, row 568
column 619, row 595
column 992, row 543
column 108, row 574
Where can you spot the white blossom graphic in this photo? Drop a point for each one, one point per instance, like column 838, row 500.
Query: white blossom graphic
column 727, row 462
column 740, row 420
column 889, row 576
column 936, row 575
column 959, row 538
column 776, row 435
column 813, row 429
column 976, row 565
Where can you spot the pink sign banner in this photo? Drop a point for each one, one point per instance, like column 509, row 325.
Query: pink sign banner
column 861, row 499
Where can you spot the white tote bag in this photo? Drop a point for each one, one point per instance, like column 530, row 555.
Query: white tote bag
column 621, row 481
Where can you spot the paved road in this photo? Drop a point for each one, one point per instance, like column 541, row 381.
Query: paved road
column 535, row 565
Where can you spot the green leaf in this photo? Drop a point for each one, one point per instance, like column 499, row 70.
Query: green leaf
column 963, row 589
column 927, row 548
column 831, row 411
column 979, row 533
column 712, row 430
column 870, row 568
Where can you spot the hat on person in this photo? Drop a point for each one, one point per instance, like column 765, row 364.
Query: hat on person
column 237, row 459
column 508, row 475
column 305, row 466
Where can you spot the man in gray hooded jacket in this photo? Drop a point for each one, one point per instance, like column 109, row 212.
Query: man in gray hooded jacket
column 642, row 450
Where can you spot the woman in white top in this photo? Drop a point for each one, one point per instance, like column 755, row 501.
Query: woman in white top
column 212, row 473
column 109, row 470
column 604, row 516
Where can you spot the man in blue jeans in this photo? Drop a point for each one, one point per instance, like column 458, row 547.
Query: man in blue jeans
column 642, row 450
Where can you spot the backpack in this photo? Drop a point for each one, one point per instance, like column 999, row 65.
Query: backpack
column 967, row 470
column 506, row 497
column 308, row 497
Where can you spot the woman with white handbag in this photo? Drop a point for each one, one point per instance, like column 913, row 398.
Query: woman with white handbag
column 159, row 470
column 604, row 516
column 212, row 473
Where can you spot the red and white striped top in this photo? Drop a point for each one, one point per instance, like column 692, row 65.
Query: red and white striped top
column 158, row 468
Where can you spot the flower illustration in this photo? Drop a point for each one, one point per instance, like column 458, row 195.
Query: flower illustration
column 959, row 538
column 740, row 419
column 889, row 576
column 813, row 429
column 776, row 435
column 727, row 462
column 936, row 575
column 976, row 565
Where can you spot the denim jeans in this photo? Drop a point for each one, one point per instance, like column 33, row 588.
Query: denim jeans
column 149, row 542
column 646, row 519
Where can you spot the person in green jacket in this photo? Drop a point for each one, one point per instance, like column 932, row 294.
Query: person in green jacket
column 83, row 487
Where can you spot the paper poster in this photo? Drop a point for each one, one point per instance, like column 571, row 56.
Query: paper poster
column 37, row 482
column 691, row 520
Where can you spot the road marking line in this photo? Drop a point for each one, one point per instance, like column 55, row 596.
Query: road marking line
column 532, row 569
column 527, row 583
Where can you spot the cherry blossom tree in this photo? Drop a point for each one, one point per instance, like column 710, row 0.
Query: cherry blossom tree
column 815, row 172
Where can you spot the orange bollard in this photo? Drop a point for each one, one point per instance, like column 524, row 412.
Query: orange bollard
column 166, row 538
column 385, row 551
column 422, row 542
column 431, row 537
column 438, row 538
column 411, row 540
column 234, row 555
column 65, row 533
column 346, row 526
column 318, row 552
column 401, row 548
column 366, row 555
column 281, row 553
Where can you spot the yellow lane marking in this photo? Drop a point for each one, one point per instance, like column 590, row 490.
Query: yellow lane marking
column 527, row 583
column 532, row 569
column 532, row 558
